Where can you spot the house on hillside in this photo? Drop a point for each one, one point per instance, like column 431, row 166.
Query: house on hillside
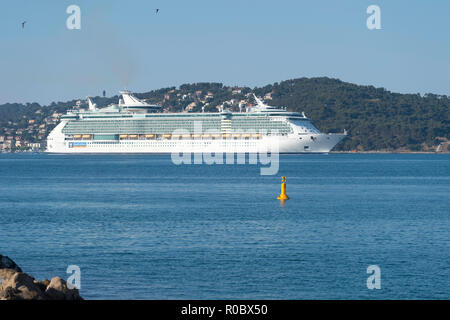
column 268, row 96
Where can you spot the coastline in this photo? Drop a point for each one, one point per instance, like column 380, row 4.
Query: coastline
column 331, row 152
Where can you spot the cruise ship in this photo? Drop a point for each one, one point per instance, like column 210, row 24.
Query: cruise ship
column 134, row 126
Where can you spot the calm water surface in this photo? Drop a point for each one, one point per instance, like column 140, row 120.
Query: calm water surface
column 141, row 227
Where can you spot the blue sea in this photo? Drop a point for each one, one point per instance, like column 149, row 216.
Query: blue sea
column 141, row 227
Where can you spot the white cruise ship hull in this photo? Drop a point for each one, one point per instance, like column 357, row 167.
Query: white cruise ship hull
column 307, row 143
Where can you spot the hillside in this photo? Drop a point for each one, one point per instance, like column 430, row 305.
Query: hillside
column 376, row 119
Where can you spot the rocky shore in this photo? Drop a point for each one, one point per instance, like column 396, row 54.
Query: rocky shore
column 17, row 285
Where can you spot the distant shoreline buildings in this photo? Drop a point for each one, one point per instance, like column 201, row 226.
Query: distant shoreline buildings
column 29, row 134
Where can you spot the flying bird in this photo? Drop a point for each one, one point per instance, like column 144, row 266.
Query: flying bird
column 157, row 10
column 23, row 24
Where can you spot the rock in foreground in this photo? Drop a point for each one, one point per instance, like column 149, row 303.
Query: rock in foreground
column 7, row 263
column 16, row 285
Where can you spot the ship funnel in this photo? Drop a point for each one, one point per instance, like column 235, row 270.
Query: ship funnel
column 130, row 100
column 131, row 103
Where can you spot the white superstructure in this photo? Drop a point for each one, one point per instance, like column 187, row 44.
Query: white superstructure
column 130, row 127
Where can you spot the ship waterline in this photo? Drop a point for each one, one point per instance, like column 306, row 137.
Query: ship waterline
column 130, row 127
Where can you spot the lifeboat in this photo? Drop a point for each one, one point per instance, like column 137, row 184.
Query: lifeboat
column 123, row 136
column 167, row 136
column 149, row 136
column 257, row 136
column 186, row 136
column 226, row 135
column 205, row 135
column 86, row 136
column 236, row 135
column 77, row 136
column 176, row 136
column 196, row 135
column 133, row 136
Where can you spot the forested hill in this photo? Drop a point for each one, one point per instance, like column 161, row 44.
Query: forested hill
column 376, row 119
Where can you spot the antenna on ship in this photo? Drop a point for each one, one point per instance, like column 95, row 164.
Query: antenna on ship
column 92, row 106
column 258, row 101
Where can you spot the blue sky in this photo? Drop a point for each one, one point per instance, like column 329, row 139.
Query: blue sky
column 124, row 44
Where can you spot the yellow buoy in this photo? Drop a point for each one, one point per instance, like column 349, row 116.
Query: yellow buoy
column 283, row 195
